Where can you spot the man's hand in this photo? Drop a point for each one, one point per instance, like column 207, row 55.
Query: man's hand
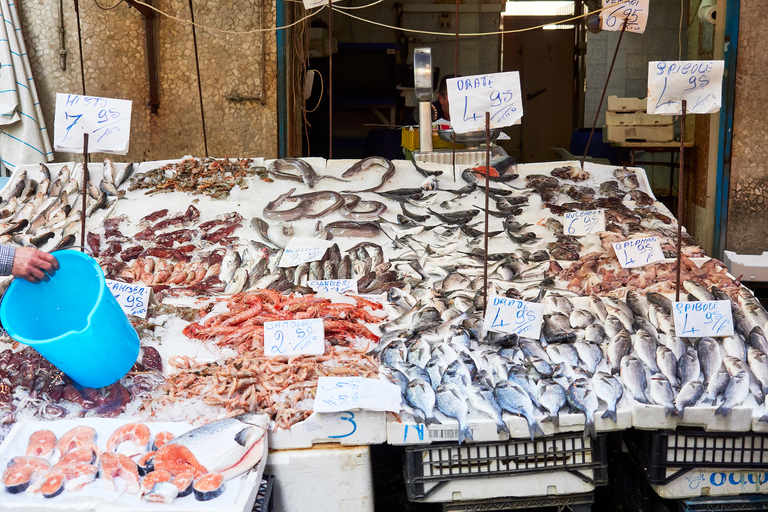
column 32, row 264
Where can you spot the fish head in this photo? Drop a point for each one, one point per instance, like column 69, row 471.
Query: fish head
column 260, row 421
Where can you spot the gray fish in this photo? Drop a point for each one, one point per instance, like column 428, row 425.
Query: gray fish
column 638, row 304
column 458, row 374
column 613, row 326
column 581, row 318
column 642, row 324
column 98, row 204
column 716, row 386
column 735, row 366
column 435, row 368
column 710, row 358
column 45, row 171
column 541, row 366
column 756, row 315
column 108, row 170
column 757, row 339
column 688, row 369
column 734, row 346
column 563, row 353
column 595, row 333
column 93, row 190
column 661, row 393
column 393, row 354
column 533, row 348
column 123, row 175
column 609, row 390
column 627, row 321
column 667, row 363
column 644, row 347
column 660, row 300
column 481, row 398
column 418, row 353
column 633, row 376
column 552, row 397
column 735, row 393
column 420, row 396
column 688, row 396
column 238, row 282
column 597, row 307
column 412, row 371
column 450, row 402
column 620, row 305
column 758, row 363
column 581, row 396
column 515, row 400
column 231, row 262
column 590, row 354
column 518, row 376
column 698, row 291
column 618, row 347
column 676, row 345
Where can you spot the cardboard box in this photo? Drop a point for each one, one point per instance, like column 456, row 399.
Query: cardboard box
column 752, row 267
column 637, row 119
column 639, row 133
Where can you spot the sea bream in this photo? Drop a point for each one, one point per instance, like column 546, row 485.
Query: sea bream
column 230, row 446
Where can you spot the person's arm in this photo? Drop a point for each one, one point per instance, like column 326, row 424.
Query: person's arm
column 26, row 262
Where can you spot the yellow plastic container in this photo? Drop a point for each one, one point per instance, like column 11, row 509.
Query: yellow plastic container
column 410, row 140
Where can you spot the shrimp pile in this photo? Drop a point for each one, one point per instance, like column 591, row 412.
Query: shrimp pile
column 242, row 327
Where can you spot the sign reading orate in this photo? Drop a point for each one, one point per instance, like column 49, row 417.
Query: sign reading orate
column 470, row 97
column 292, row 337
column 698, row 82
column 703, row 318
column 512, row 316
column 638, row 252
column 133, row 298
column 584, row 223
column 615, row 12
column 343, row 393
column 302, row 250
column 334, row 285
column 107, row 121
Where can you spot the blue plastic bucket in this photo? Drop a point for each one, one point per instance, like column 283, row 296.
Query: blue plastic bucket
column 74, row 321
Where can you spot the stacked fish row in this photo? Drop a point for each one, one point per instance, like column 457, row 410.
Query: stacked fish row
column 197, row 461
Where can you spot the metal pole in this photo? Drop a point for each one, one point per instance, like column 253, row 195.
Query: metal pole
column 605, row 88
column 199, row 82
column 330, row 80
column 487, row 180
column 680, row 203
column 84, row 190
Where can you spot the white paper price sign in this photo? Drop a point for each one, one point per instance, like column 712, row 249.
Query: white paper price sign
column 107, row 121
column 133, row 298
column 584, row 223
column 470, row 97
column 334, row 285
column 512, row 316
column 638, row 252
column 309, row 4
column 698, row 82
column 616, row 11
column 302, row 250
column 703, row 318
column 336, row 394
column 292, row 337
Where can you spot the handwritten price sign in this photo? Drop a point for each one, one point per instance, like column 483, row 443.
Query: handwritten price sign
column 107, row 121
column 470, row 97
column 292, row 337
column 616, row 11
column 133, row 298
column 302, row 250
column 703, row 318
column 334, row 285
column 698, row 82
column 584, row 223
column 512, row 316
column 638, row 252
column 335, row 394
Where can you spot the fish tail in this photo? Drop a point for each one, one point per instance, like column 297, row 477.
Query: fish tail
column 501, row 426
column 764, row 418
column 670, row 411
column 642, row 399
column 589, row 429
column 432, row 420
column 610, row 414
column 723, row 410
column 708, row 401
column 534, row 428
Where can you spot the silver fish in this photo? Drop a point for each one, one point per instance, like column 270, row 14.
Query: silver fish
column 676, row 345
column 609, row 390
column 590, row 354
column 735, row 366
column 581, row 318
column 710, row 358
column 688, row 396
column 481, row 398
column 450, row 402
column 515, row 400
column 618, row 347
column 716, row 386
column 667, row 363
column 734, row 346
column 421, row 397
column 644, row 348
column 597, row 307
column 238, row 282
column 661, row 393
column 736, row 392
column 688, row 368
column 633, row 376
column 552, row 397
column 231, row 262
column 418, row 353
column 595, row 333
column 758, row 363
column 613, row 326
column 581, row 396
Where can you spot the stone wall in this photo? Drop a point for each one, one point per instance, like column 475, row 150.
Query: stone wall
column 747, row 231
column 114, row 62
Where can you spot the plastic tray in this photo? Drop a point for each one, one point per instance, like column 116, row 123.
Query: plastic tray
column 430, row 468
column 265, row 499
column 574, row 502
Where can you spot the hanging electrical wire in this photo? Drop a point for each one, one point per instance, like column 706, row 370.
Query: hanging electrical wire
column 107, row 8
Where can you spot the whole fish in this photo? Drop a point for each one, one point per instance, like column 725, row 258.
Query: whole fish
column 667, row 363
column 450, row 402
column 609, row 390
column 710, row 358
column 736, row 392
column 552, row 397
column 618, row 347
column 420, row 396
column 688, row 396
column 280, row 168
column 688, row 369
column 644, row 348
column 758, row 363
column 515, row 400
column 633, row 376
column 581, row 396
column 716, row 386
column 590, row 354
column 661, row 393
column 481, row 398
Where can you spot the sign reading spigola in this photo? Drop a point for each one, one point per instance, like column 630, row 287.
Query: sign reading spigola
column 107, row 121
column 470, row 97
column 698, row 82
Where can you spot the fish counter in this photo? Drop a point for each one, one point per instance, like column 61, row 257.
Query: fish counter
column 389, row 258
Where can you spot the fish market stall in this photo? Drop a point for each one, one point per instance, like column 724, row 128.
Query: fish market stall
column 389, row 258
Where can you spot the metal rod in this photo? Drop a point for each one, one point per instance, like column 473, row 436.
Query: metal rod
column 199, row 82
column 62, row 38
column 456, row 46
column 680, row 203
column 487, row 181
column 330, row 80
column 80, row 44
column 84, row 189
column 605, row 88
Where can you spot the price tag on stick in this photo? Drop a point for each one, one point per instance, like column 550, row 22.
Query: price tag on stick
column 343, row 393
column 615, row 12
column 334, row 285
column 303, row 250
column 292, row 337
column 584, row 223
column 107, row 121
column 703, row 318
column 470, row 97
column 638, row 252
column 133, row 298
column 512, row 316
column 698, row 82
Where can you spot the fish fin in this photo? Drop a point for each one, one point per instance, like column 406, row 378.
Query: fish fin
column 432, row 420
column 553, row 418
column 642, row 399
column 242, row 437
column 760, row 399
column 670, row 411
column 501, row 426
column 611, row 415
column 535, row 429
column 723, row 410
column 465, row 434
column 680, row 413
column 708, row 401
column 764, row 418
column 589, row 430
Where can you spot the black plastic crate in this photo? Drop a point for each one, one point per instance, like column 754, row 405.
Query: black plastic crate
column 658, row 452
column 745, row 503
column 572, row 502
column 429, row 467
column 265, row 498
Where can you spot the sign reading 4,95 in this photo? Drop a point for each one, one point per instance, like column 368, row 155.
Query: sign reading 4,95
column 292, row 337
column 638, row 252
column 470, row 97
column 107, row 121
column 512, row 316
column 703, row 318
column 698, row 82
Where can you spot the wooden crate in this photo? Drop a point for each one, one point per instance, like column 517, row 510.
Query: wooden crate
column 637, row 119
column 639, row 133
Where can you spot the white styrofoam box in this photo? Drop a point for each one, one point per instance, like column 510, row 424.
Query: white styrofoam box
column 324, row 478
column 348, row 428
column 238, row 496
column 752, row 267
column 713, row 482
column 617, row 104
column 653, row 417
